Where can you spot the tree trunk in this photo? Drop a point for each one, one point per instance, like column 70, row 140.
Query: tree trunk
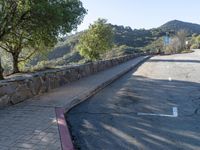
column 1, row 71
column 15, row 63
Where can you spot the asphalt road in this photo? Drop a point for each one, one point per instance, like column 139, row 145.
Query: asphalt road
column 110, row 120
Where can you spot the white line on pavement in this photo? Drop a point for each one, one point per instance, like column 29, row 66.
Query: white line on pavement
column 174, row 109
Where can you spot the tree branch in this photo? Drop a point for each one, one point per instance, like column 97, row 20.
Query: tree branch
column 6, row 49
column 28, row 57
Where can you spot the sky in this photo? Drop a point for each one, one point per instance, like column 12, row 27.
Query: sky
column 140, row 13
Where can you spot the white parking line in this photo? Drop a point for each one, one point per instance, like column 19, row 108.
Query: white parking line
column 174, row 110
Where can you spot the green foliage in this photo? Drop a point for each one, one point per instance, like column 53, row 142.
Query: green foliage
column 135, row 38
column 155, row 46
column 35, row 26
column 97, row 40
column 177, row 43
column 195, row 42
column 68, row 59
column 120, row 51
column 12, row 14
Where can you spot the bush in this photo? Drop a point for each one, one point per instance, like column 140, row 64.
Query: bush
column 195, row 46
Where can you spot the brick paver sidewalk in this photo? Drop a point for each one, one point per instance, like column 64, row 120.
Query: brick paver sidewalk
column 32, row 124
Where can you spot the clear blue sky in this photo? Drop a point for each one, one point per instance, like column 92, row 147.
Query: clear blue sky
column 141, row 13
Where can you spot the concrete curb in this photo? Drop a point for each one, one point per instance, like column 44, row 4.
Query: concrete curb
column 65, row 136
column 84, row 96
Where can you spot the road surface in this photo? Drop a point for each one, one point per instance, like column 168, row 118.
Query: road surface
column 136, row 112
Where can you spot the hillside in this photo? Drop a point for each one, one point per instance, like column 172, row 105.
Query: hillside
column 64, row 49
column 126, row 39
column 176, row 25
column 134, row 38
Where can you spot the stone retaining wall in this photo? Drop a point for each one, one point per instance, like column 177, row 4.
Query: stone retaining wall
column 25, row 86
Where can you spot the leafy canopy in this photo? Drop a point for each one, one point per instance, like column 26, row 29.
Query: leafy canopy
column 30, row 26
column 96, row 40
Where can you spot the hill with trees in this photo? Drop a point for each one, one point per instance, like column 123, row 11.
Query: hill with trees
column 126, row 41
column 175, row 25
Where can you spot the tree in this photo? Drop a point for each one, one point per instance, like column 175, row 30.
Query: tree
column 8, row 20
column 174, row 46
column 36, row 25
column 1, row 71
column 182, row 35
column 9, row 17
column 96, row 40
column 177, row 43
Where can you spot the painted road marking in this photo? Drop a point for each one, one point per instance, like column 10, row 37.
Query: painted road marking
column 174, row 110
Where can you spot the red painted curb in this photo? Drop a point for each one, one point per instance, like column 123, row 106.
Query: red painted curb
column 65, row 137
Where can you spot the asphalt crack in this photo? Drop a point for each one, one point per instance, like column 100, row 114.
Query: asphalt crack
column 196, row 111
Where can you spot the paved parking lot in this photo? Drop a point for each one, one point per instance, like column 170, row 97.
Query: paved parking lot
column 110, row 120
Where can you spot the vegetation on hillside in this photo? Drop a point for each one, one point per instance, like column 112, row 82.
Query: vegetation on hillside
column 126, row 41
column 30, row 36
column 155, row 46
column 176, row 25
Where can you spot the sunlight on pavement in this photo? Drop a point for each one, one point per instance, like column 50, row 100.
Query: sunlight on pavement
column 123, row 135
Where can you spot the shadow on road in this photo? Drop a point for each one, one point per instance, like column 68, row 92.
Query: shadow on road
column 109, row 120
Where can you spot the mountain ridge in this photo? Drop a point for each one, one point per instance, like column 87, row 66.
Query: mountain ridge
column 134, row 39
column 176, row 25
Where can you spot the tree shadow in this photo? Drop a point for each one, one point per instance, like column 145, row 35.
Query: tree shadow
column 109, row 120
